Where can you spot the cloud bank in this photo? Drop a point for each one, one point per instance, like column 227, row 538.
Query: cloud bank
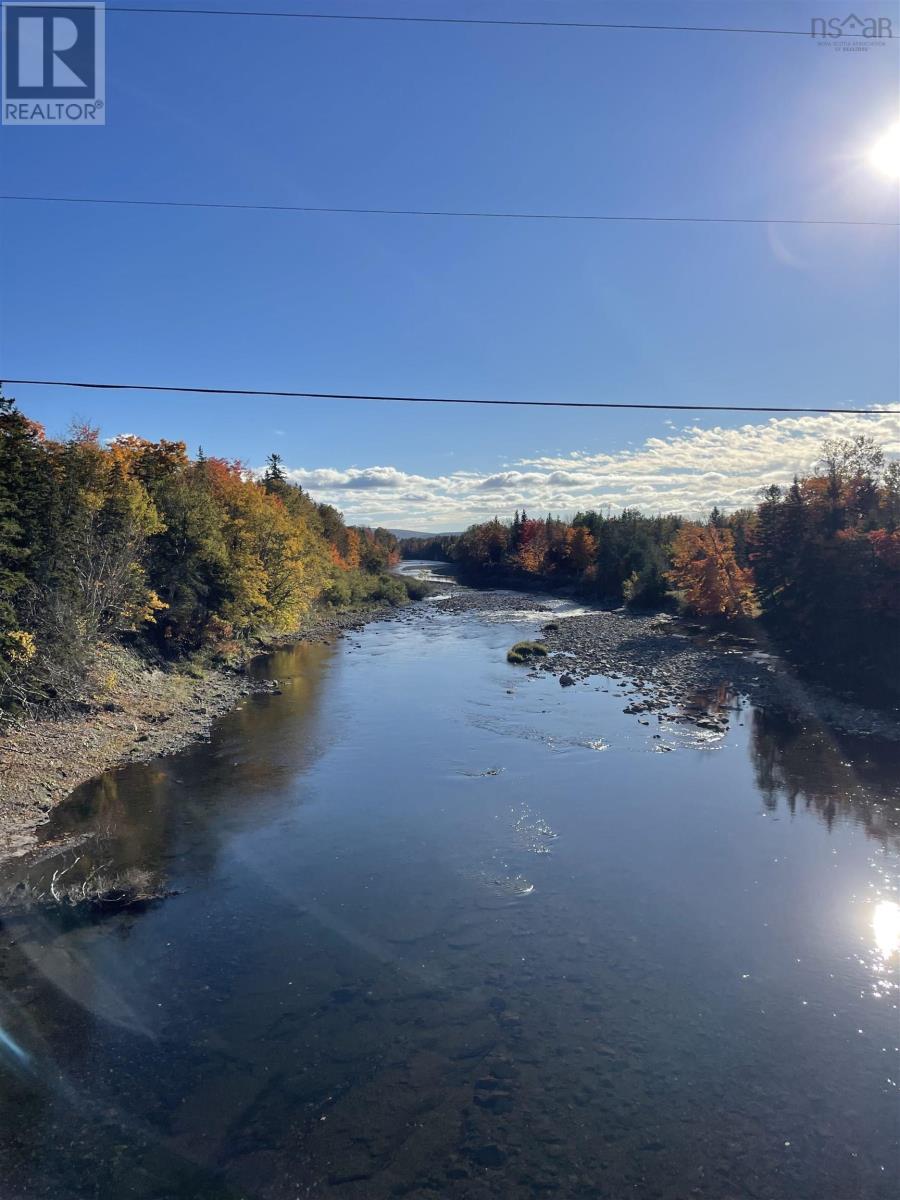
column 688, row 472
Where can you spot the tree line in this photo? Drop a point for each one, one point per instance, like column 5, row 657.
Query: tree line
column 816, row 563
column 136, row 539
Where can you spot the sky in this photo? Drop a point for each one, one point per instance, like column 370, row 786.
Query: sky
column 361, row 114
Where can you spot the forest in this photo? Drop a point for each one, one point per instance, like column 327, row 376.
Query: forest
column 816, row 565
column 135, row 540
column 138, row 541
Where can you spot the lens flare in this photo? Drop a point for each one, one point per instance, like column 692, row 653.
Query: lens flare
column 13, row 1047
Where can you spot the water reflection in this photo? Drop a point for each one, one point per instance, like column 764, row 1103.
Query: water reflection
column 151, row 819
column 376, row 982
column 837, row 777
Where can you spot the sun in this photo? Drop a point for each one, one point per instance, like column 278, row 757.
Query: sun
column 884, row 156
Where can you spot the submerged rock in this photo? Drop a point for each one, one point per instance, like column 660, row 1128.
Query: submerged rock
column 489, row 1155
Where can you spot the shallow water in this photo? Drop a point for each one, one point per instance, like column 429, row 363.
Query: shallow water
column 443, row 929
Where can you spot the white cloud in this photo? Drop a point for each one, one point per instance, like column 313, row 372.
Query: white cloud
column 687, row 471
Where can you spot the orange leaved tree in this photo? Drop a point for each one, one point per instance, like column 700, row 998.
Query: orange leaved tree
column 706, row 572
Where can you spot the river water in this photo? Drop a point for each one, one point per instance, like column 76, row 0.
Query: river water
column 444, row 929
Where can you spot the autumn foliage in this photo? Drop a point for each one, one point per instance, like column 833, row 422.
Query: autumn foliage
column 613, row 558
column 137, row 539
column 706, row 572
column 817, row 563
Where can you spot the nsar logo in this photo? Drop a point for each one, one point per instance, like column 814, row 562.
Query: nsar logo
column 852, row 32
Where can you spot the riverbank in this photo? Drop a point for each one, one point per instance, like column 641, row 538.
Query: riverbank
column 671, row 669
column 834, row 664
column 133, row 712
column 666, row 670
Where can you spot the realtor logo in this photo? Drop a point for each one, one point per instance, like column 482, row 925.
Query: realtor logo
column 54, row 64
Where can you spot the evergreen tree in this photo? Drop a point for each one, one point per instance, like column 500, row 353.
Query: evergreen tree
column 13, row 553
column 24, row 490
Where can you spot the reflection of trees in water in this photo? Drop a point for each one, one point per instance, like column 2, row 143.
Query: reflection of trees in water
column 718, row 701
column 111, row 830
column 837, row 777
column 149, row 815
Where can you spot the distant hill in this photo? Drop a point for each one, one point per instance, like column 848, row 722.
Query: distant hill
column 412, row 533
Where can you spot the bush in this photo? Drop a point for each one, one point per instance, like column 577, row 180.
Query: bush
column 417, row 589
column 523, row 652
column 647, row 588
column 351, row 588
column 358, row 587
column 390, row 590
column 339, row 592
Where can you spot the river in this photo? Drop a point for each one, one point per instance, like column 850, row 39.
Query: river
column 442, row 928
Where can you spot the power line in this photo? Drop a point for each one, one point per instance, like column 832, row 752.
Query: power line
column 427, row 212
column 213, row 391
column 495, row 21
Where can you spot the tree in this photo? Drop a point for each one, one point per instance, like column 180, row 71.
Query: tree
column 884, row 595
column 14, row 446
column 274, row 478
column 581, row 548
column 189, row 558
column 532, row 546
column 859, row 457
column 705, row 570
column 890, row 498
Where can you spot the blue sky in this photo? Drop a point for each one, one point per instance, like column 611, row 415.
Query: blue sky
column 419, row 116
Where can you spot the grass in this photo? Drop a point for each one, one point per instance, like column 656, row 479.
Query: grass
column 523, row 652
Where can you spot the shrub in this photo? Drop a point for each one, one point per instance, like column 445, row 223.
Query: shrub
column 339, row 592
column 360, row 587
column 417, row 589
column 523, row 652
column 109, row 683
column 647, row 588
column 387, row 589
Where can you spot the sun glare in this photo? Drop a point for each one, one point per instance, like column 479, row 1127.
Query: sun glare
column 886, row 927
column 885, row 154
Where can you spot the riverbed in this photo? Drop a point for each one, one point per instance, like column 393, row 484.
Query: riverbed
column 440, row 927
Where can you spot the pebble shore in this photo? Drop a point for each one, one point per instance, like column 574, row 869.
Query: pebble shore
column 675, row 668
column 146, row 712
